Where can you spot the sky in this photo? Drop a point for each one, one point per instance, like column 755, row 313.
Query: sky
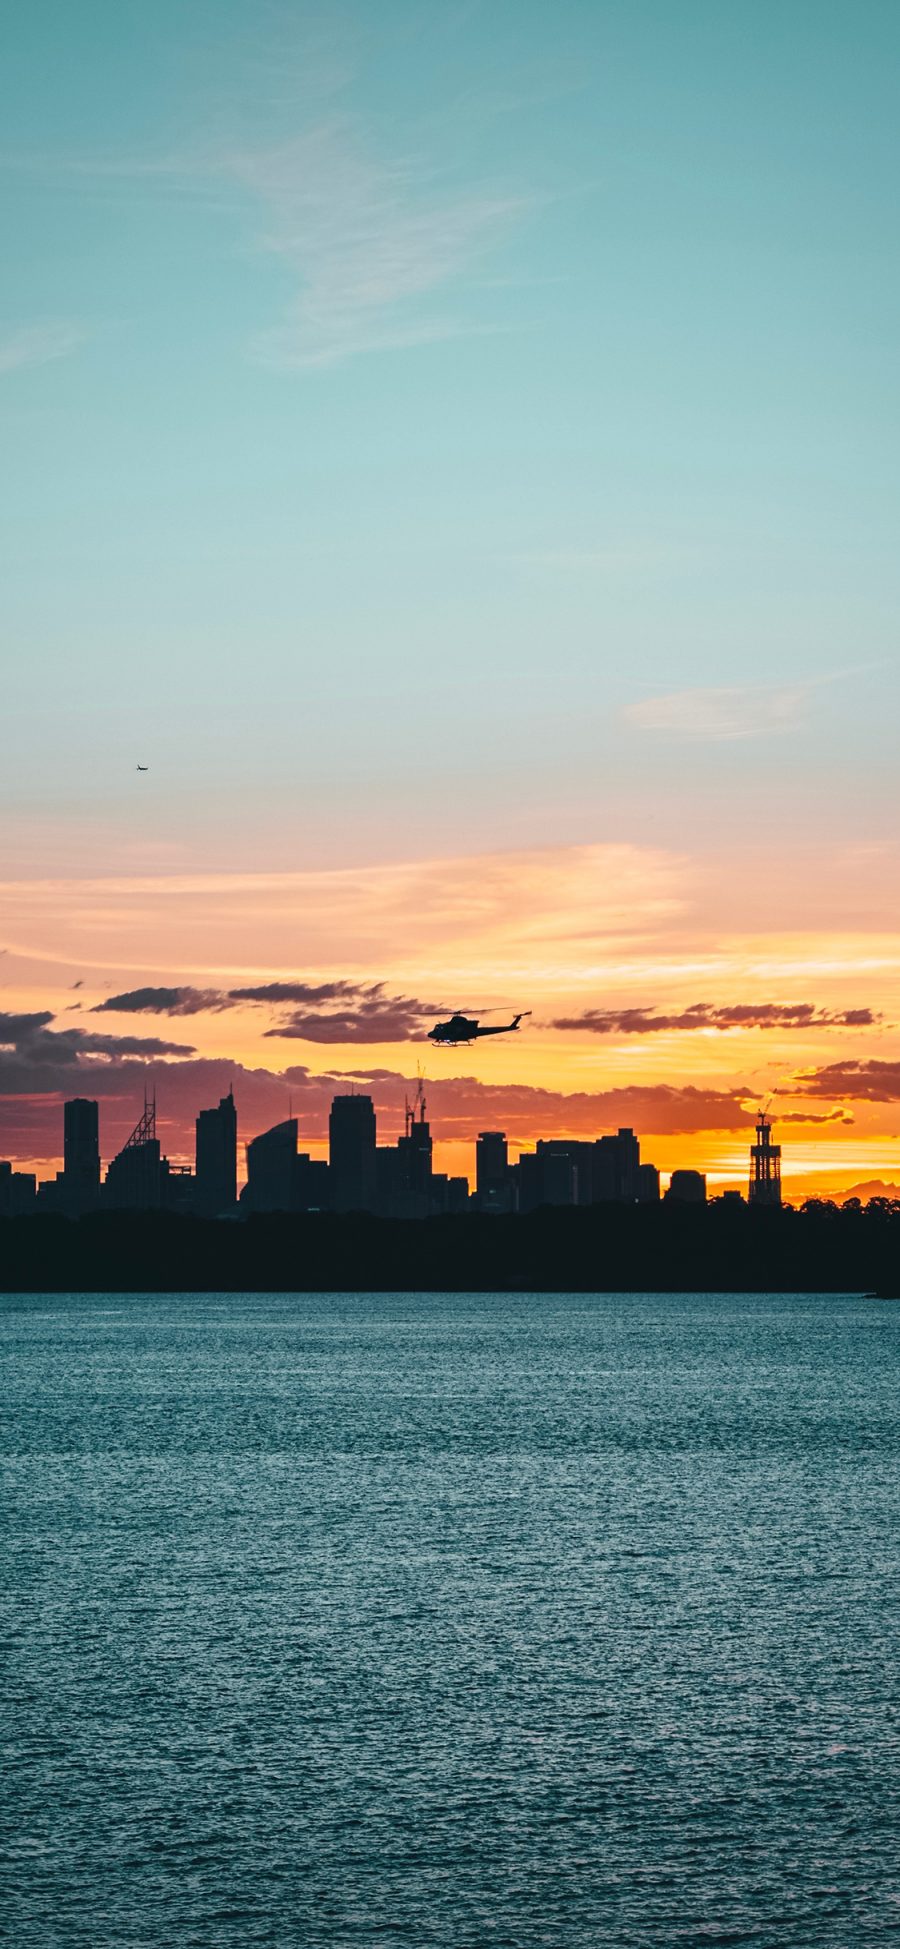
column 454, row 447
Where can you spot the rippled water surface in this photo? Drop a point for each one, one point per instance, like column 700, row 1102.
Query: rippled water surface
column 450, row 1620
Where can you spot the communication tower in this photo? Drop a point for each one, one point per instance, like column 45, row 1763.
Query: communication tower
column 765, row 1165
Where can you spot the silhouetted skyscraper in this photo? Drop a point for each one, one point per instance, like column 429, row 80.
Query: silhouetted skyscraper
column 414, row 1153
column 616, row 1164
column 134, row 1178
column 216, row 1158
column 351, row 1148
column 272, row 1169
column 492, row 1179
column 81, row 1155
column 557, row 1171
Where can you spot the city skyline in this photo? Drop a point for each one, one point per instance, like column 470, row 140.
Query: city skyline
column 392, row 1180
column 454, row 453
column 363, row 1170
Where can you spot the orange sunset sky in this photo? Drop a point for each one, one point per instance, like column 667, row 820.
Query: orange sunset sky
column 354, row 964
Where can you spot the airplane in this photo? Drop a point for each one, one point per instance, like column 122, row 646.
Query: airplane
column 461, row 1030
column 143, row 767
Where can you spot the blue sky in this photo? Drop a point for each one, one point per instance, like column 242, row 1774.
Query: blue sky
column 417, row 390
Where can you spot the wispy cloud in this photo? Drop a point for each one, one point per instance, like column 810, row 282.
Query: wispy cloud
column 370, row 243
column 39, row 344
column 485, row 919
column 722, row 713
column 376, row 246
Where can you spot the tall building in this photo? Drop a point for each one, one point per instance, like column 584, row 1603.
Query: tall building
column 616, row 1165
column 492, row 1181
column 414, row 1153
column 216, row 1158
column 388, row 1181
column 548, row 1175
column 765, row 1165
column 81, row 1155
column 574, row 1171
column 135, row 1177
column 351, row 1150
column 272, row 1169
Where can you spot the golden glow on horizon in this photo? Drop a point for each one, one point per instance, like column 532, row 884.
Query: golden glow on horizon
column 560, row 930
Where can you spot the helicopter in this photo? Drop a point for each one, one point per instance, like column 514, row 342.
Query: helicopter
column 462, row 1029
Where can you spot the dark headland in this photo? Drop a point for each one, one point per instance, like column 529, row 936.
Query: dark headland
column 719, row 1247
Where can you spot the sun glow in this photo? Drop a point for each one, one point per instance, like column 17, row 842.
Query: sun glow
column 621, row 945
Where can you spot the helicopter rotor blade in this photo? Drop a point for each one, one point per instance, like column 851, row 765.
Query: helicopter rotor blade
column 502, row 1009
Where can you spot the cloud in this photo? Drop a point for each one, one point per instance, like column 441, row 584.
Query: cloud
column 21, row 1028
column 33, row 1056
column 296, row 991
column 369, row 242
column 347, row 1011
column 31, row 1098
column 38, row 345
column 363, row 1012
column 866, row 1082
column 460, row 1106
column 163, row 1001
column 374, row 238
column 839, row 1115
column 387, row 1024
column 705, row 1015
column 370, row 1016
column 39, row 1067
column 477, row 917
column 330, row 1011
column 721, row 714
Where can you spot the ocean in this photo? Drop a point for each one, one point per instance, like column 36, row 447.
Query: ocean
column 450, row 1620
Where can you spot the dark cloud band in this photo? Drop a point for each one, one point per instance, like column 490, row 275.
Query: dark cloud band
column 865, row 1082
column 325, row 1011
column 163, row 1001
column 706, row 1015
